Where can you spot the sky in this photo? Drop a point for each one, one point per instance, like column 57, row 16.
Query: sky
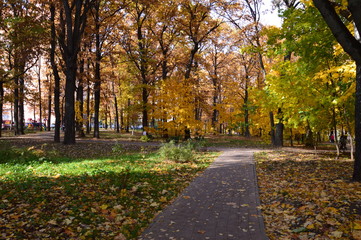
column 268, row 16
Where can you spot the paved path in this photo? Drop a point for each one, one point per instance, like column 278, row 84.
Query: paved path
column 219, row 204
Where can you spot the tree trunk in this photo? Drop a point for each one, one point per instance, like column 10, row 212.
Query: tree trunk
column 309, row 137
column 279, row 129
column 88, row 116
column 279, row 135
column 56, row 76
column 121, row 124
column 97, row 80
column 128, row 117
column 195, row 49
column 72, row 27
column 334, row 124
column 69, row 117
column 357, row 164
column 16, row 106
column 106, row 117
column 49, row 103
column 40, row 102
column 246, row 111
column 21, row 103
column 215, row 111
column 116, row 110
column 272, row 132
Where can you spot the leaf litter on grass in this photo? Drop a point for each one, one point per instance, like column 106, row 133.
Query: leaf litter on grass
column 95, row 198
column 308, row 196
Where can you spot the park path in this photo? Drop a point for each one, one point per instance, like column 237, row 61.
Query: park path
column 222, row 203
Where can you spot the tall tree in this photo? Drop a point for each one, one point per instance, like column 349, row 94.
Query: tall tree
column 104, row 17
column 139, row 46
column 72, row 25
column 23, row 31
column 350, row 42
column 55, row 70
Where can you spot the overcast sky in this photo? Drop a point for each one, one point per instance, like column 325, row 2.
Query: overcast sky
column 268, row 16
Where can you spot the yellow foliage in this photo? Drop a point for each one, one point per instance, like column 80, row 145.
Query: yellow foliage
column 176, row 106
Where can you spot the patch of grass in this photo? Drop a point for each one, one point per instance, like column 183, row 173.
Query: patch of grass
column 177, row 152
column 234, row 141
column 111, row 197
column 112, row 134
column 308, row 196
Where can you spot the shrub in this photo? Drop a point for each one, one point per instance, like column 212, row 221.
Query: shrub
column 145, row 138
column 177, row 152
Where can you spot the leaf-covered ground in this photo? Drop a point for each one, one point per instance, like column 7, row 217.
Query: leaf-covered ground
column 85, row 191
column 308, row 196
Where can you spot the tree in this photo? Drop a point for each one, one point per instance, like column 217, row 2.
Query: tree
column 22, row 33
column 351, row 44
column 140, row 48
column 55, row 70
column 73, row 20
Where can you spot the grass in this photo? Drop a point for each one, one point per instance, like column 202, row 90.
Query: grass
column 47, row 193
column 234, row 141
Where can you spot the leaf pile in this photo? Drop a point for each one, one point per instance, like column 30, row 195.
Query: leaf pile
column 308, row 196
column 106, row 198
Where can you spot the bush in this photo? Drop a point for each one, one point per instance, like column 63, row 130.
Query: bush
column 145, row 138
column 177, row 152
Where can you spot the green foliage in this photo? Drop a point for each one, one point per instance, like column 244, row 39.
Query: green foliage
column 145, row 138
column 177, row 152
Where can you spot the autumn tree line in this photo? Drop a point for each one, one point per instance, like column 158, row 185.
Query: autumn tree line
column 184, row 67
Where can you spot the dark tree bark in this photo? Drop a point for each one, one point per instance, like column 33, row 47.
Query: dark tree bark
column 56, row 76
column 49, row 103
column 21, row 100
column 88, row 119
column 72, row 24
column 246, row 110
column 279, row 130
column 357, row 163
column 16, row 106
column 279, row 135
column 117, row 128
column 309, row 137
column 143, row 67
column 352, row 46
column 272, row 132
column 40, row 102
column 97, row 80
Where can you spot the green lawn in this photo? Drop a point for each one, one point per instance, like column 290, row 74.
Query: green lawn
column 45, row 195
